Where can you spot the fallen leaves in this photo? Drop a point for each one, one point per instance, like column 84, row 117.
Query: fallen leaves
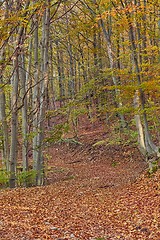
column 100, row 203
column 59, row 212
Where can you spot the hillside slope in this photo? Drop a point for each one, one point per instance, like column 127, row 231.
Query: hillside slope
column 92, row 193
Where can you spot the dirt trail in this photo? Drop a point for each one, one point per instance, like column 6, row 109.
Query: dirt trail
column 93, row 193
column 95, row 166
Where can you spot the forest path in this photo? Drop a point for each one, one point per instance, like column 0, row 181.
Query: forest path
column 93, row 193
column 100, row 166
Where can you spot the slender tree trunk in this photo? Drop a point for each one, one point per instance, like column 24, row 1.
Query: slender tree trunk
column 141, row 139
column 35, row 101
column 24, row 112
column 71, row 82
column 5, row 140
column 3, row 119
column 60, row 72
column 14, row 106
column 52, row 86
column 43, row 88
column 14, row 122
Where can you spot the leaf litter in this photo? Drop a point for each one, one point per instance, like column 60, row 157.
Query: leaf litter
column 92, row 193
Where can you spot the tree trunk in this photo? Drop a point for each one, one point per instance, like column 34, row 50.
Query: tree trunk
column 5, row 140
column 14, row 122
column 71, row 81
column 43, row 88
column 148, row 147
column 24, row 112
column 3, row 119
column 35, row 101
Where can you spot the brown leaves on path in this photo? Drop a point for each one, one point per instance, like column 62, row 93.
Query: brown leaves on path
column 69, row 210
column 94, row 194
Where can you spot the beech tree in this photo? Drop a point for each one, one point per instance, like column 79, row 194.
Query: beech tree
column 3, row 117
column 147, row 147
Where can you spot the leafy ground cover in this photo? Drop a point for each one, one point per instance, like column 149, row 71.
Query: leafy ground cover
column 92, row 192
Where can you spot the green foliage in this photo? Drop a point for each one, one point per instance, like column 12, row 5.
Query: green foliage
column 23, row 178
column 99, row 143
column 58, row 170
column 131, row 134
column 70, row 141
column 1, row 139
column 114, row 164
column 119, row 137
column 100, row 238
column 31, row 135
column 153, row 167
column 86, row 88
column 74, row 111
column 56, row 133
column 77, row 111
column 114, row 140
column 124, row 110
column 4, row 178
column 26, row 178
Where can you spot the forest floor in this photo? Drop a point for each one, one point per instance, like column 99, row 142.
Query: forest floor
column 92, row 193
